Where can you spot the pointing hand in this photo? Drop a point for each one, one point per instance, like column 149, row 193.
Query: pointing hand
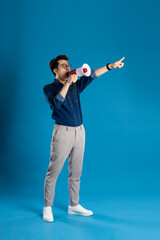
column 118, row 64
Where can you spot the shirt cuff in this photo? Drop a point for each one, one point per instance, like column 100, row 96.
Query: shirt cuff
column 60, row 97
column 93, row 74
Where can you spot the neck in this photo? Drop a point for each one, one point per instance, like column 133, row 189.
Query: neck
column 61, row 81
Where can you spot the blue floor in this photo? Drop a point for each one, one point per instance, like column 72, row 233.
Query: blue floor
column 116, row 216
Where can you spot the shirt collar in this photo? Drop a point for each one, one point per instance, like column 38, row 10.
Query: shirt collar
column 56, row 82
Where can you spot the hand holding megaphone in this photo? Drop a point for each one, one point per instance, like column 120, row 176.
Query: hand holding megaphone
column 82, row 71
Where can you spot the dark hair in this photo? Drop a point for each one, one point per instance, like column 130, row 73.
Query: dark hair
column 54, row 62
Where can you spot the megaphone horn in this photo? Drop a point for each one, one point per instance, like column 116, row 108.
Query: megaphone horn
column 82, row 71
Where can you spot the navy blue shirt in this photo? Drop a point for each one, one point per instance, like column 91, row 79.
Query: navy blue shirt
column 67, row 111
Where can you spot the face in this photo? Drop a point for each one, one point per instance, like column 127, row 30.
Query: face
column 62, row 70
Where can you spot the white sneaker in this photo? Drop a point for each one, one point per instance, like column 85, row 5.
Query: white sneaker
column 47, row 214
column 78, row 209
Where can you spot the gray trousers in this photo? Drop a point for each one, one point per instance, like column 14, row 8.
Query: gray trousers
column 66, row 142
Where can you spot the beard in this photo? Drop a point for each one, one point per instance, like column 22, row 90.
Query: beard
column 67, row 74
column 64, row 77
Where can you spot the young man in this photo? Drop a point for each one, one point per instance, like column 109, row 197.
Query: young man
column 68, row 137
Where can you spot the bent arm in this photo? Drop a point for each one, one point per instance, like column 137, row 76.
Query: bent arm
column 54, row 99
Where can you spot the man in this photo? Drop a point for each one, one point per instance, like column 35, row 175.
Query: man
column 68, row 138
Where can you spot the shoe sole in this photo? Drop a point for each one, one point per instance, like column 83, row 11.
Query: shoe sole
column 78, row 213
column 48, row 220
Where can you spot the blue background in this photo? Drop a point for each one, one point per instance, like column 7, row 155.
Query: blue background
column 121, row 109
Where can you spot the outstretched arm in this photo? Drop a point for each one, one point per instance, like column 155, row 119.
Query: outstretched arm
column 102, row 70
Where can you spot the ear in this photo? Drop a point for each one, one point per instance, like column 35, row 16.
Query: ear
column 55, row 71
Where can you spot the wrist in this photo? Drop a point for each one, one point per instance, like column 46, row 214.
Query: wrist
column 68, row 83
column 109, row 66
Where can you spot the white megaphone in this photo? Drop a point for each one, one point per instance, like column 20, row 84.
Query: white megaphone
column 82, row 71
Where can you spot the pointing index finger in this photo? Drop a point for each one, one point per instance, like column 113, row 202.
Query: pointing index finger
column 122, row 59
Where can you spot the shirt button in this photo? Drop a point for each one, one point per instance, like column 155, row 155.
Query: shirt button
column 68, row 97
column 71, row 105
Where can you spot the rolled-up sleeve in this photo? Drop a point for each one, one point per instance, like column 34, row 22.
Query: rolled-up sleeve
column 84, row 81
column 53, row 99
column 60, row 97
column 93, row 74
